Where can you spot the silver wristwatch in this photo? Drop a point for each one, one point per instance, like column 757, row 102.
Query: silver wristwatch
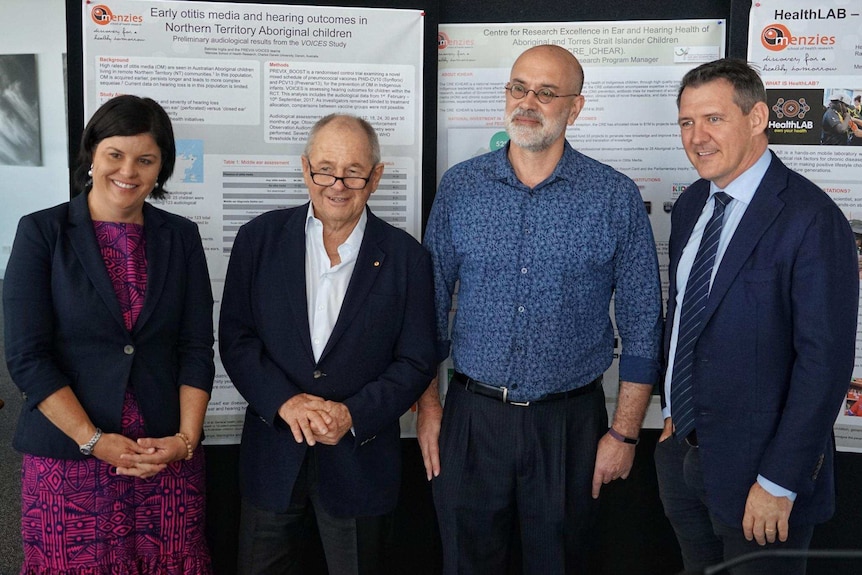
column 87, row 448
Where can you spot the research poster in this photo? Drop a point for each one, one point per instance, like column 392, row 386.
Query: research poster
column 243, row 83
column 810, row 57
column 632, row 72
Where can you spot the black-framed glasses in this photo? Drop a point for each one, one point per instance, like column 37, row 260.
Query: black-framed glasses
column 328, row 180
column 543, row 95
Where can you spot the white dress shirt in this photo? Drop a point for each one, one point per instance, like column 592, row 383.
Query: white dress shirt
column 325, row 284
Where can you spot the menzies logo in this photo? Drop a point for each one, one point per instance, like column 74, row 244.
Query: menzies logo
column 777, row 37
column 442, row 40
column 103, row 16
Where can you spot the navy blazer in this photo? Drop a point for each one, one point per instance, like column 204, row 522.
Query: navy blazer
column 64, row 327
column 775, row 355
column 378, row 361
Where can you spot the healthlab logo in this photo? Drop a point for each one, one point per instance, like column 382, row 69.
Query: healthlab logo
column 777, row 37
column 102, row 15
column 793, row 116
column 790, row 108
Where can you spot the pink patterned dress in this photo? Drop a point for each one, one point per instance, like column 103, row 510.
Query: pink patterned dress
column 80, row 517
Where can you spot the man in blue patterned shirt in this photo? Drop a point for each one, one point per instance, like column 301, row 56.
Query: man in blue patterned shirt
column 539, row 238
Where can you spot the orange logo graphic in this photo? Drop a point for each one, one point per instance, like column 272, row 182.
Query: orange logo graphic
column 442, row 40
column 776, row 37
column 101, row 15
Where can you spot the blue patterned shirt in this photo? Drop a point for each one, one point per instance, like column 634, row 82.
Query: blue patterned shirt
column 537, row 269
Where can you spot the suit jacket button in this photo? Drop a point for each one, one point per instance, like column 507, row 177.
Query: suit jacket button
column 129, row 349
column 318, row 374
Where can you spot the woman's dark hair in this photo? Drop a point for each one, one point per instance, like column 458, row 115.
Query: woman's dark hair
column 128, row 115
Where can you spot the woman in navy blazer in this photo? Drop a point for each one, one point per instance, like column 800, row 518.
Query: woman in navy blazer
column 109, row 336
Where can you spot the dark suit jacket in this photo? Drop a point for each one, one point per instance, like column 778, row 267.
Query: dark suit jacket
column 64, row 327
column 776, row 351
column 379, row 359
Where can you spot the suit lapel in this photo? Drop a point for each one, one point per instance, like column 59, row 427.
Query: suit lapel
column 369, row 261
column 291, row 252
column 82, row 237
column 158, row 255
column 686, row 224
column 764, row 208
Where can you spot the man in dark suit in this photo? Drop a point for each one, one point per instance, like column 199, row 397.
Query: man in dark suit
column 327, row 330
column 759, row 338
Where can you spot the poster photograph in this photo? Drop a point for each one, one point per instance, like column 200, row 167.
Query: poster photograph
column 20, row 138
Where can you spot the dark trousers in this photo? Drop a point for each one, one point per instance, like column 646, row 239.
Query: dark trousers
column 508, row 468
column 273, row 543
column 703, row 539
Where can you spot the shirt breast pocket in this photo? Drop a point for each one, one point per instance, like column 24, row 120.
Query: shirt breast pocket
column 767, row 305
column 761, row 285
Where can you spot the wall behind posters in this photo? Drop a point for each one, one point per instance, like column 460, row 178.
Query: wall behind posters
column 632, row 536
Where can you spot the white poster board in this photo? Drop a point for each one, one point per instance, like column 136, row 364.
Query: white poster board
column 810, row 54
column 632, row 72
column 243, row 83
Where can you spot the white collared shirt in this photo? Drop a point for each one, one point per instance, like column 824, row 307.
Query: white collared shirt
column 325, row 284
column 741, row 190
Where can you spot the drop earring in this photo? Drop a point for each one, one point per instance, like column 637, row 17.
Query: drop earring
column 90, row 171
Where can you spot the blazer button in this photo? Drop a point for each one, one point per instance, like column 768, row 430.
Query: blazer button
column 318, row 374
column 129, row 349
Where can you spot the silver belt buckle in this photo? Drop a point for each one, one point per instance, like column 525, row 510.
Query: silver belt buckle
column 506, row 399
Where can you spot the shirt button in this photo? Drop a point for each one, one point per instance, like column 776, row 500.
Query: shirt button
column 521, row 309
column 523, row 270
column 129, row 349
column 317, row 340
column 513, row 386
column 527, row 230
column 320, row 308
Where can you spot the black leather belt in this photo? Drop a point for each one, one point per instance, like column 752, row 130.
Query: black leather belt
column 502, row 393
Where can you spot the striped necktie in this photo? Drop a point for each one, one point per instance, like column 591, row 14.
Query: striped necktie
column 691, row 317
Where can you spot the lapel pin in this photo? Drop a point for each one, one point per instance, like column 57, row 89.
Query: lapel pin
column 377, row 264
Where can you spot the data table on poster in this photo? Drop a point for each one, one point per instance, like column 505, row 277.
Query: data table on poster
column 247, row 193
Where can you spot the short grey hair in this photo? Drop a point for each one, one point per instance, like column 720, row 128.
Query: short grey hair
column 748, row 88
